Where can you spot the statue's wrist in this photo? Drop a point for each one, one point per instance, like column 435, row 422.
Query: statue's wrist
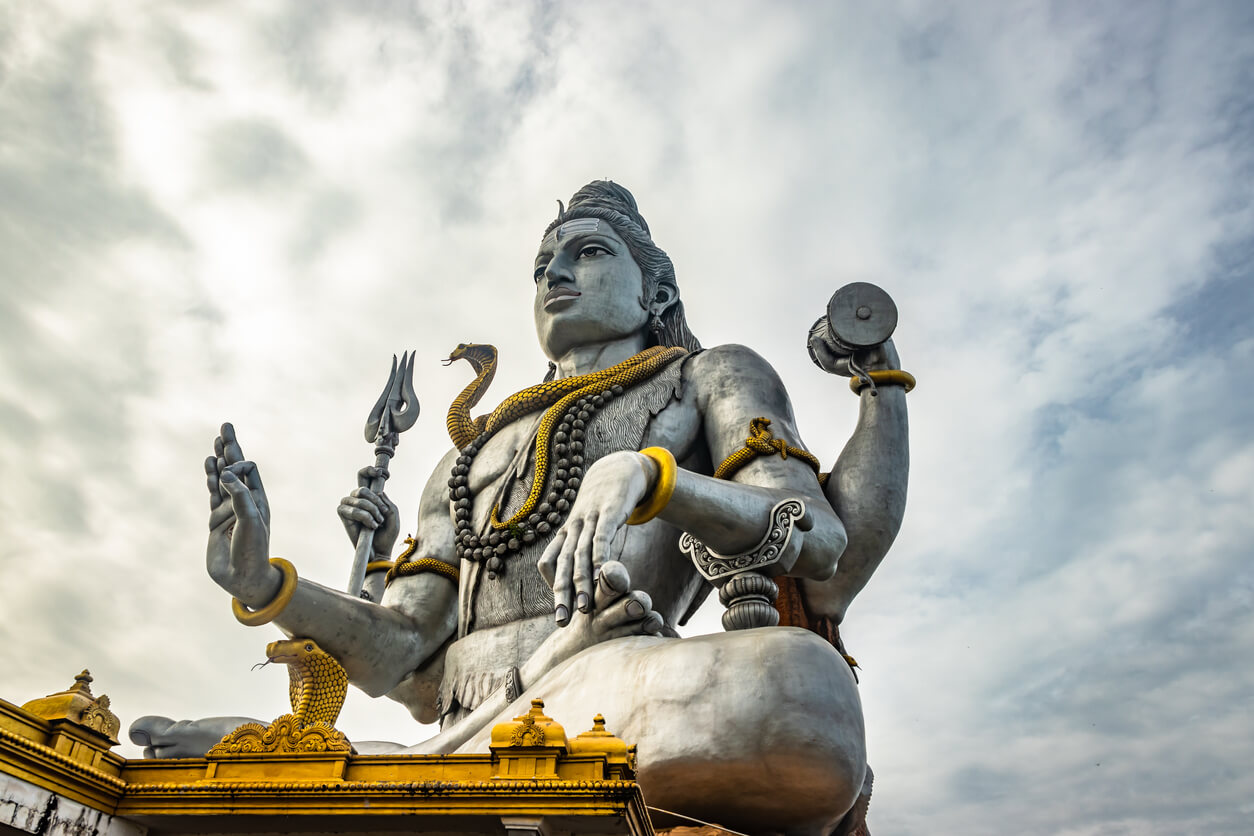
column 259, row 590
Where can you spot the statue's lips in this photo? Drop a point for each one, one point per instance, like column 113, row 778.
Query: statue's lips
column 559, row 295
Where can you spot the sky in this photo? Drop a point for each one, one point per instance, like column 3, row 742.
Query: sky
column 240, row 211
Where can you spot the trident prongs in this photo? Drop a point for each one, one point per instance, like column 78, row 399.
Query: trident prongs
column 397, row 407
column 394, row 412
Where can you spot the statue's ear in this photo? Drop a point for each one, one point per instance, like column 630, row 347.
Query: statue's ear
column 664, row 295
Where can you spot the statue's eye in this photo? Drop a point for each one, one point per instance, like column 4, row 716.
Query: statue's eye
column 539, row 274
column 593, row 250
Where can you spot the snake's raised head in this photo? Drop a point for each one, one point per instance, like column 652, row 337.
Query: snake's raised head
column 479, row 354
column 292, row 651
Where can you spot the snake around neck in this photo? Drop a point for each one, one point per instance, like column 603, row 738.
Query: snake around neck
column 569, row 405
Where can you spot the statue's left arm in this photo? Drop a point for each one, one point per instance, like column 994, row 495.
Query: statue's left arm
column 726, row 388
column 867, row 486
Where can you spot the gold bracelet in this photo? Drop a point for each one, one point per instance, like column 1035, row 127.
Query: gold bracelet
column 883, row 377
column 255, row 618
column 657, row 499
column 378, row 566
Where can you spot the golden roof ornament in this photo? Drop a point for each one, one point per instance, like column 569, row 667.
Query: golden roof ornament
column 78, row 705
column 599, row 741
column 531, row 730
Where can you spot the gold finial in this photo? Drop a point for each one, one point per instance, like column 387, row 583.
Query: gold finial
column 529, row 730
column 79, row 706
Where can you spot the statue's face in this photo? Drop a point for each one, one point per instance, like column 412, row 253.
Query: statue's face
column 588, row 288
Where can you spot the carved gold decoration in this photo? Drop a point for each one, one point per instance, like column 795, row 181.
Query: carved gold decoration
column 762, row 443
column 78, row 705
column 599, row 741
column 286, row 736
column 532, row 729
column 317, row 685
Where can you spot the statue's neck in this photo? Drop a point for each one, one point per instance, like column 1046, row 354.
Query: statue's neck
column 594, row 358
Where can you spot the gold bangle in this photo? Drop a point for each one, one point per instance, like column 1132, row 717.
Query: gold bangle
column 883, row 377
column 378, row 566
column 255, row 618
column 657, row 499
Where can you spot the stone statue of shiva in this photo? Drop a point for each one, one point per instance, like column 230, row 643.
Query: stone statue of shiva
column 547, row 558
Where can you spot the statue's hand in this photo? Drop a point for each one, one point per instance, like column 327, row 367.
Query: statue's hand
column 834, row 361
column 365, row 508
column 616, row 611
column 237, row 555
column 612, row 487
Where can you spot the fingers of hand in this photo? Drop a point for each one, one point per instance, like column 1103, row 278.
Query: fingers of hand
column 241, row 498
column 612, row 582
column 564, row 572
column 368, row 474
column 230, row 446
column 547, row 565
column 829, row 358
column 607, row 545
column 635, row 609
column 220, row 515
column 366, row 498
column 360, row 511
column 581, row 569
column 211, row 481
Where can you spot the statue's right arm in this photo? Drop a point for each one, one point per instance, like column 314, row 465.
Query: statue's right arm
column 378, row 645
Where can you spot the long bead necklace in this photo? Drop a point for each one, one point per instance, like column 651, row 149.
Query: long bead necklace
column 549, row 515
column 567, row 441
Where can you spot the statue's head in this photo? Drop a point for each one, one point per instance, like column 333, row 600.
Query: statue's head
column 600, row 244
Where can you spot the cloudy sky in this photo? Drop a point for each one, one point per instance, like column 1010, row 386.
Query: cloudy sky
column 217, row 211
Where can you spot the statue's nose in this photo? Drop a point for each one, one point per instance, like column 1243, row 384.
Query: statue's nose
column 559, row 271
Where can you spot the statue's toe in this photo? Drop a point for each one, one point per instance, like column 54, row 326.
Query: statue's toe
column 148, row 731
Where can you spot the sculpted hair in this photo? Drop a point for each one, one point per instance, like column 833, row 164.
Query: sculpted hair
column 610, row 202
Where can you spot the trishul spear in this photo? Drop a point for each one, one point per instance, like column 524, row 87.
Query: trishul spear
column 394, row 412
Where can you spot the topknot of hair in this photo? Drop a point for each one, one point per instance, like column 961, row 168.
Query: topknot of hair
column 606, row 194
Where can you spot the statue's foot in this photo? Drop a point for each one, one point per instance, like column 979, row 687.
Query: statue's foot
column 162, row 737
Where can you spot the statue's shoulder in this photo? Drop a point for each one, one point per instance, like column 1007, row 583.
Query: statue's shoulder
column 714, row 369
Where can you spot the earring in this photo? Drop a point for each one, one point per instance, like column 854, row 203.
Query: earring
column 656, row 326
column 552, row 372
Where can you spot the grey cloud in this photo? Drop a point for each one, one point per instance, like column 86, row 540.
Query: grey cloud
column 328, row 214
column 253, row 154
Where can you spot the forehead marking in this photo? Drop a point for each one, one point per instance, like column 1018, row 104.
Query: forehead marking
column 577, row 226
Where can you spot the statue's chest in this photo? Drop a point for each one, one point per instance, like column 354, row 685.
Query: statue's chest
column 531, row 486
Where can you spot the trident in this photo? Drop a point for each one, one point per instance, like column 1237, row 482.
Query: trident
column 394, row 412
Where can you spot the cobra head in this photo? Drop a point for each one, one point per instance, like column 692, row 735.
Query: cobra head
column 397, row 408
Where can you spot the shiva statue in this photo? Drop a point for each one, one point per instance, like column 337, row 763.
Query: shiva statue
column 568, row 532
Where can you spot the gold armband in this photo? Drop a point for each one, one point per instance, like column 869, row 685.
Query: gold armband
column 656, row 499
column 762, row 443
column 424, row 564
column 405, row 567
column 883, row 377
column 266, row 614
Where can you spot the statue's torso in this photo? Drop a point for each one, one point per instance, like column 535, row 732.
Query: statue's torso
column 503, row 620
